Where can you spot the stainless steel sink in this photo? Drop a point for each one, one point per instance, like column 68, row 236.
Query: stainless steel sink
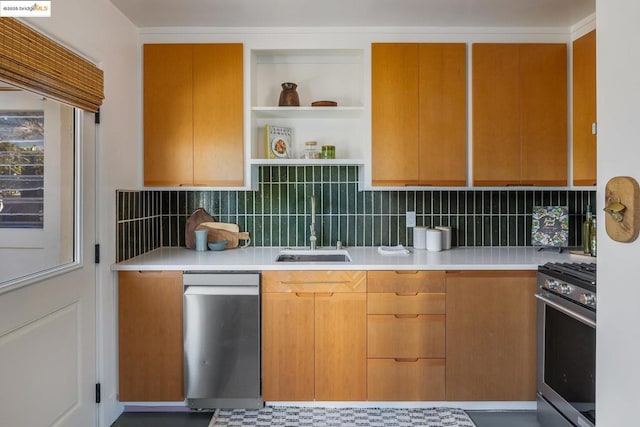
column 317, row 255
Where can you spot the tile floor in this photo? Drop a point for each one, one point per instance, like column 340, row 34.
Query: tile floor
column 201, row 419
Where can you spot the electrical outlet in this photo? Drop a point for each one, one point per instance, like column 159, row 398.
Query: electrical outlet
column 411, row 219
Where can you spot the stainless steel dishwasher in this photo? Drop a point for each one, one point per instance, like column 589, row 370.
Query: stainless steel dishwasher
column 222, row 340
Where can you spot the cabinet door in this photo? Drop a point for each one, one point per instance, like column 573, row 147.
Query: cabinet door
column 543, row 114
column 443, row 114
column 520, row 114
column 287, row 346
column 496, row 114
column 150, row 336
column 341, row 346
column 491, row 336
column 168, row 129
column 584, row 109
column 394, row 113
column 217, row 115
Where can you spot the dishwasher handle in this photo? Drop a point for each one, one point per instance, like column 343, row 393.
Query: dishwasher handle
column 221, row 290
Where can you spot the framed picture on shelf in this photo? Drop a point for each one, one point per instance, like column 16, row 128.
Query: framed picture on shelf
column 550, row 227
column 278, row 140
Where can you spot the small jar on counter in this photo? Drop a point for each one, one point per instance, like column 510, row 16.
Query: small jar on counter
column 310, row 150
column 328, row 151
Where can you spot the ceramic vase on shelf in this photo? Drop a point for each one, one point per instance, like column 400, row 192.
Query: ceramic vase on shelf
column 289, row 96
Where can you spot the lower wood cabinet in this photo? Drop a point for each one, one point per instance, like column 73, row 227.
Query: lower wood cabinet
column 491, row 336
column 406, row 379
column 406, row 335
column 351, row 336
column 150, row 344
column 313, row 335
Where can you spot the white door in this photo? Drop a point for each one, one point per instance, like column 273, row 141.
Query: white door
column 47, row 331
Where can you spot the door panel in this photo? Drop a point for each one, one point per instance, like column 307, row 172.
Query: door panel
column 218, row 152
column 287, row 346
column 584, row 109
column 496, row 113
column 47, row 332
column 394, row 113
column 443, row 114
column 341, row 349
column 168, row 115
column 543, row 115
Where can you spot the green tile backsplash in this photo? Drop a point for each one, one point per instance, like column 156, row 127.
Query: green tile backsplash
column 278, row 213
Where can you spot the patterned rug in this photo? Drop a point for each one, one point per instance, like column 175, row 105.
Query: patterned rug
column 341, row 417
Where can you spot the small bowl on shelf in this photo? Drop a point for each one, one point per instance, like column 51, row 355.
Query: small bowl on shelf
column 218, row 246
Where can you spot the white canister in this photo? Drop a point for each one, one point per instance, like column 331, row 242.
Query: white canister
column 420, row 237
column 446, row 236
column 434, row 240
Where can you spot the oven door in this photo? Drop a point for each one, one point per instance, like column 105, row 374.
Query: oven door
column 567, row 358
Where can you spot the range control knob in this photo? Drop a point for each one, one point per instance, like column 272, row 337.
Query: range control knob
column 551, row 284
column 565, row 289
column 588, row 299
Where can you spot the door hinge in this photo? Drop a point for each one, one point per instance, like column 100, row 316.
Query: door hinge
column 97, row 117
column 97, row 253
column 594, row 128
column 98, row 398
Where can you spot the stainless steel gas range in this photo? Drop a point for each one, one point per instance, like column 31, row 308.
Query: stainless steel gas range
column 566, row 304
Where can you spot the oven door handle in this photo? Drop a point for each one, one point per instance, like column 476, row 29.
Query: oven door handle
column 566, row 311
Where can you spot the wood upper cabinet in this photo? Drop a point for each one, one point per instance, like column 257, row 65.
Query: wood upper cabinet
column 313, row 335
column 168, row 112
column 491, row 335
column 519, row 114
column 193, row 118
column 584, row 110
column 150, row 339
column 418, row 96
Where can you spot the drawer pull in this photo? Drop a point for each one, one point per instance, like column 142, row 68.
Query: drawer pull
column 405, row 316
column 324, row 294
column 405, row 360
column 304, row 294
column 408, row 294
column 406, row 271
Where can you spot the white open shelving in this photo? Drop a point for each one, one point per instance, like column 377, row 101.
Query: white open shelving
column 321, row 75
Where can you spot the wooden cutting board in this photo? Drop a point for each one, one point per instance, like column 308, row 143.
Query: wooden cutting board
column 625, row 190
column 234, row 228
column 217, row 232
column 197, row 217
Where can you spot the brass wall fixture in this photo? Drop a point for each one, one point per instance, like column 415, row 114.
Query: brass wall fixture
column 622, row 207
column 615, row 209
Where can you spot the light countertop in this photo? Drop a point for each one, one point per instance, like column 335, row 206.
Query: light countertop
column 362, row 258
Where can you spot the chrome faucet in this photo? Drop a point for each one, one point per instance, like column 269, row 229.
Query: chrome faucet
column 313, row 238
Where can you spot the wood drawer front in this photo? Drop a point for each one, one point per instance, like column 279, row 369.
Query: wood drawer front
column 314, row 281
column 406, row 303
column 390, row 336
column 405, row 379
column 406, row 281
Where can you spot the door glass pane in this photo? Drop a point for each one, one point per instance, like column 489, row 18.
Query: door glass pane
column 37, row 184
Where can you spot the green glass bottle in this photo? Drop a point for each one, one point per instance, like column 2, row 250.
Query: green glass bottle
column 593, row 238
column 587, row 226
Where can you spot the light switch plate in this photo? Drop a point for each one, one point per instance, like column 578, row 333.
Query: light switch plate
column 411, row 219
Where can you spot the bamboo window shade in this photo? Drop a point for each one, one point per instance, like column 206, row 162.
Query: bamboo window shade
column 33, row 62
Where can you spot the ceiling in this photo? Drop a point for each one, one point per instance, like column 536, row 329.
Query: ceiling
column 355, row 13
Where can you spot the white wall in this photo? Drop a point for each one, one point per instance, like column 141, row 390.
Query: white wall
column 98, row 31
column 618, row 332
